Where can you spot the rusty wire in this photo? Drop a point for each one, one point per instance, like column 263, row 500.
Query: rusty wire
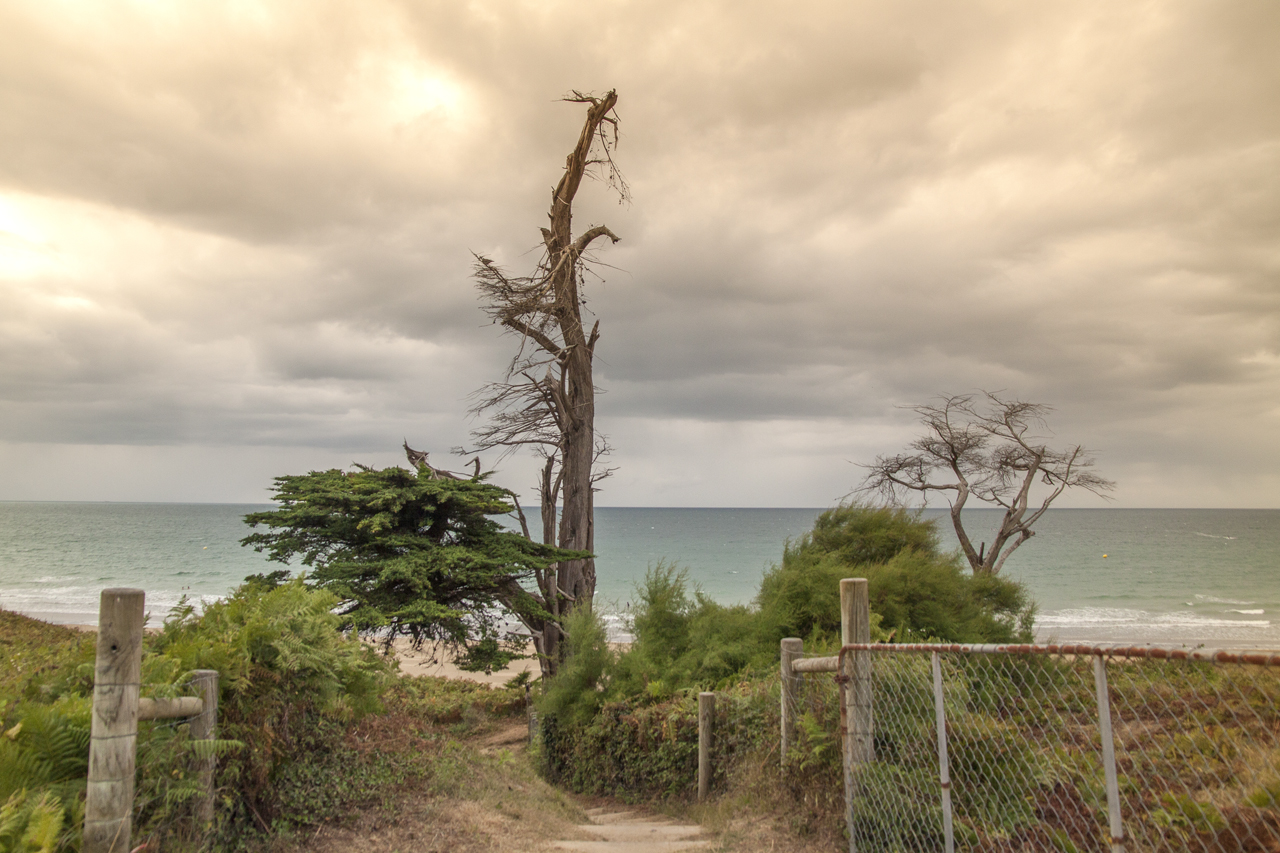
column 1195, row 736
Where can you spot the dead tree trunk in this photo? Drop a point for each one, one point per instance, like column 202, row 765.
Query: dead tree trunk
column 547, row 400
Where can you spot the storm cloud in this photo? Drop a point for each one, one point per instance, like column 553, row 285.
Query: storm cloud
column 236, row 239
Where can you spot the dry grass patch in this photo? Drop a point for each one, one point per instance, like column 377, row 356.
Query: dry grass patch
column 480, row 794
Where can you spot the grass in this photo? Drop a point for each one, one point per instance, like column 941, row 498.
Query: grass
column 437, row 767
column 39, row 657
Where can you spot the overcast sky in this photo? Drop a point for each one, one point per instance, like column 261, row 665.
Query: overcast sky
column 236, row 237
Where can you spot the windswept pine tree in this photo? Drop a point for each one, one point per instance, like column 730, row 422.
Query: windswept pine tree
column 412, row 553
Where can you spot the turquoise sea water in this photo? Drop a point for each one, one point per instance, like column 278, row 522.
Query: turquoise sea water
column 1169, row 576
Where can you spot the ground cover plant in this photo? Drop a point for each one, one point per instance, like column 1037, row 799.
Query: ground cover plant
column 313, row 725
column 1198, row 745
column 627, row 720
column 45, row 741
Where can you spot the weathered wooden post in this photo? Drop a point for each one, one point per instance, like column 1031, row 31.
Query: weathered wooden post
column 204, row 727
column 108, row 811
column 792, row 685
column 706, row 713
column 855, row 627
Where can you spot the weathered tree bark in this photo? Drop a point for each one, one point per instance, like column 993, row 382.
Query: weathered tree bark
column 547, row 400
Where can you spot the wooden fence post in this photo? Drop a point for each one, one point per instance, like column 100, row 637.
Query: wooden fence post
column 792, row 686
column 706, row 713
column 855, row 627
column 108, row 811
column 204, row 727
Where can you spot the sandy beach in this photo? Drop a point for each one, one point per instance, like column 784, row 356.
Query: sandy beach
column 430, row 660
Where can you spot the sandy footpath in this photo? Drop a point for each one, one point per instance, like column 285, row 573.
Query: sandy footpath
column 432, row 661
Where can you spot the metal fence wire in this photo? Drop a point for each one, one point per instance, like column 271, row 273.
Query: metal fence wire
column 1009, row 748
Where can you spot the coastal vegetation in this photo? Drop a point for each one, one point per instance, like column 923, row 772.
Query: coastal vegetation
column 313, row 722
column 321, row 738
column 626, row 720
column 684, row 640
column 412, row 553
column 314, row 727
column 1196, row 748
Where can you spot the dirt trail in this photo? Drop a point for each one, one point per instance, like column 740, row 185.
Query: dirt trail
column 631, row 832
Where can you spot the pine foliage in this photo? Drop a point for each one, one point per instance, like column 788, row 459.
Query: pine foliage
column 408, row 553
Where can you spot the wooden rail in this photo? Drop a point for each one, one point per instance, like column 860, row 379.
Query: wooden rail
column 117, row 708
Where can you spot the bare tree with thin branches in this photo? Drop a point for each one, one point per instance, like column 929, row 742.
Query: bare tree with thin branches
column 546, row 401
column 987, row 448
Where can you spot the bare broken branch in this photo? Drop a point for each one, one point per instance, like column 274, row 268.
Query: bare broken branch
column 989, row 449
column 547, row 401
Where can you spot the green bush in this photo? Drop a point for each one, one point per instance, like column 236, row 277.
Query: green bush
column 917, row 592
column 283, row 641
column 288, row 681
column 639, row 749
column 578, row 690
column 683, row 641
column 629, row 723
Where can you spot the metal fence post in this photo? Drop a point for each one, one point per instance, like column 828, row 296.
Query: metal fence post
column 706, row 713
column 1108, row 753
column 792, row 684
column 944, row 767
column 108, row 810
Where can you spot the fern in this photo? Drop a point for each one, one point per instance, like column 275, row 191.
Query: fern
column 21, row 769
column 30, row 825
column 181, row 793
column 58, row 739
column 205, row 749
column 817, row 746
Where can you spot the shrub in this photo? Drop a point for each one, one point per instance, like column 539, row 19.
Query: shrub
column 682, row 641
column 412, row 553
column 630, row 723
column 917, row 592
column 288, row 679
column 576, row 693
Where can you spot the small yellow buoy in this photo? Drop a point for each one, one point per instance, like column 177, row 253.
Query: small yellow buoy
column 1104, row 556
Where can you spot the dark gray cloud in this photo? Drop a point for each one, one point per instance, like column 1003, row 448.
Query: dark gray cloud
column 247, row 232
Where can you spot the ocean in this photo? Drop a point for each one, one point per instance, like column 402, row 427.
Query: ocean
column 1164, row 576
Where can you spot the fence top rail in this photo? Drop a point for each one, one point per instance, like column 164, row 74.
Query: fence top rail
column 1257, row 657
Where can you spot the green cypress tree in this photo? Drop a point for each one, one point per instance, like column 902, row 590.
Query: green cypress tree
column 414, row 554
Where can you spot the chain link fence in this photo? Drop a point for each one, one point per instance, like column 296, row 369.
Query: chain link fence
column 1009, row 748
